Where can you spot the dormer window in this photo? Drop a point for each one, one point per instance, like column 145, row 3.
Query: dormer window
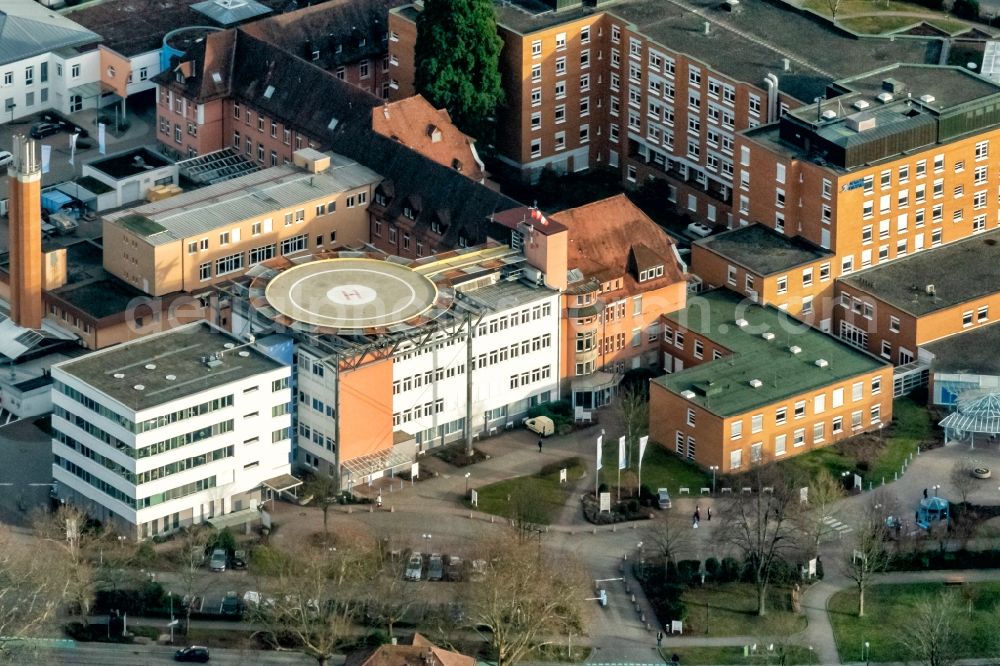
column 409, row 213
column 380, row 199
column 315, row 55
column 462, row 242
column 436, row 227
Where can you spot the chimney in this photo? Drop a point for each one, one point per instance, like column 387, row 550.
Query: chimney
column 786, row 64
column 708, row 27
column 25, row 215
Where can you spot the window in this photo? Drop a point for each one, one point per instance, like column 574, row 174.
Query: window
column 780, row 444
column 807, row 277
column 205, row 271
column 536, row 96
column 982, row 150
column 756, row 423
column 983, row 314
column 857, row 391
column 735, row 429
column 800, row 409
column 819, row 432
column 294, row 244
column 819, row 404
column 967, row 318
column 690, row 418
column 536, row 48
column 735, row 459
column 560, row 65
column 782, row 284
column 780, row 415
column 799, row 437
column 585, row 35
column 886, row 350
column 876, row 413
column 229, row 264
column 74, row 71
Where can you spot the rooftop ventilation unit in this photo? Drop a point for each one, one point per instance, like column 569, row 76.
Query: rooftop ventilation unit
column 150, row 366
column 930, row 289
column 139, row 387
column 767, row 335
column 689, row 395
column 829, row 114
column 927, row 99
column 822, row 363
column 170, row 378
column 119, row 375
column 884, row 97
column 742, row 323
column 243, row 353
column 861, row 104
column 756, row 383
column 795, row 349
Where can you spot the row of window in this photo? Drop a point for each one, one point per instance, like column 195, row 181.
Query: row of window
column 317, row 437
column 419, row 411
column 426, row 378
column 43, row 74
column 235, row 262
column 316, row 405
column 530, row 376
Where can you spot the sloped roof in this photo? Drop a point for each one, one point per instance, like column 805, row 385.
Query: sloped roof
column 605, row 235
column 415, row 654
column 28, row 29
column 334, row 29
column 977, row 412
column 414, row 121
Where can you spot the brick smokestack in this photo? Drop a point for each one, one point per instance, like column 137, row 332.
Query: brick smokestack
column 25, row 216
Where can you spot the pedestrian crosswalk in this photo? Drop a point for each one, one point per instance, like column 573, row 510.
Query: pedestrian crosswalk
column 837, row 527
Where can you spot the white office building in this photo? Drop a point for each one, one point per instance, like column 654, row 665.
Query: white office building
column 182, row 427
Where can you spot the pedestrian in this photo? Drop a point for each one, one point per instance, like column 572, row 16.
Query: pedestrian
column 925, row 493
column 710, row 513
column 697, row 515
column 694, row 520
column 659, row 638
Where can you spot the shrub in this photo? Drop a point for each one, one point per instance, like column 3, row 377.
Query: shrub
column 225, row 540
column 603, row 488
column 673, row 608
column 671, row 575
column 632, row 506
column 819, row 568
column 783, row 572
column 687, row 571
column 713, row 567
column 144, row 555
column 730, row 571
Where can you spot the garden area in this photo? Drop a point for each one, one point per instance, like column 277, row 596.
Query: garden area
column 875, row 455
column 535, row 498
column 876, row 17
column 956, row 621
column 660, row 469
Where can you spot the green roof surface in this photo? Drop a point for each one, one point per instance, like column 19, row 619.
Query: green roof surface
column 723, row 386
column 142, row 225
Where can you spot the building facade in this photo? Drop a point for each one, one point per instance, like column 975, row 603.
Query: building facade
column 751, row 385
column 171, row 430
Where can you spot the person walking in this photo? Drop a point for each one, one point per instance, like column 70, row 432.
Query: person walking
column 539, row 444
column 710, row 513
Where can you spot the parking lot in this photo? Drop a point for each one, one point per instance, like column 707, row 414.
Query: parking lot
column 26, row 451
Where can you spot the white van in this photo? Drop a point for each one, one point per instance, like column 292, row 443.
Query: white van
column 542, row 425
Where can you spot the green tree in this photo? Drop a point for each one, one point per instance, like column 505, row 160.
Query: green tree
column 457, row 59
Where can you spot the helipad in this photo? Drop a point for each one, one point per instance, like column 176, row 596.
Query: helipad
column 351, row 293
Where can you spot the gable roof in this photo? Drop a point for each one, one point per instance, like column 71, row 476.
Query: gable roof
column 420, row 652
column 607, row 236
column 28, row 29
column 340, row 31
column 416, row 123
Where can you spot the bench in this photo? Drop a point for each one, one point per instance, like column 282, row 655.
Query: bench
column 705, row 491
column 685, row 491
column 727, row 491
column 746, row 491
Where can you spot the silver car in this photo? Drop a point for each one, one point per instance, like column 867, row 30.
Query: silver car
column 218, row 561
column 414, row 567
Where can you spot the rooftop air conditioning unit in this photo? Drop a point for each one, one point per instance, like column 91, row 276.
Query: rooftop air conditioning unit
column 930, row 290
column 768, row 335
column 742, row 323
column 884, row 97
column 829, row 114
column 861, row 104
column 795, row 349
column 687, row 394
column 821, row 363
column 756, row 383
column 927, row 99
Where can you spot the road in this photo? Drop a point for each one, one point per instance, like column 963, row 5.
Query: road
column 101, row 654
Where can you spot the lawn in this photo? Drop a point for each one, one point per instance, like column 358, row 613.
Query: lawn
column 889, row 612
column 873, row 456
column 730, row 609
column 848, row 7
column 660, row 469
column 783, row 654
column 876, row 25
column 548, row 495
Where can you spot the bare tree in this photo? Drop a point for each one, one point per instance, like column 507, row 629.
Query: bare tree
column 930, row 630
column 869, row 554
column 815, row 521
column 761, row 524
column 525, row 599
column 668, row 537
column 324, row 489
column 32, row 588
column 834, row 7
column 387, row 601
column 68, row 529
column 962, row 480
column 194, row 542
column 310, row 604
column 632, row 409
column 526, row 512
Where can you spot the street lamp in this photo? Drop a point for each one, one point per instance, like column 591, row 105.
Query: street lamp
column 467, row 475
column 714, row 468
column 866, row 652
column 936, row 489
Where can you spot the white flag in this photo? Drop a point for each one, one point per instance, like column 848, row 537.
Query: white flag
column 600, row 447
column 72, row 147
column 101, row 146
column 46, row 156
column 621, row 452
column 642, row 448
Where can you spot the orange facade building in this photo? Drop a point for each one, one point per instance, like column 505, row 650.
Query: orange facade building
column 752, row 385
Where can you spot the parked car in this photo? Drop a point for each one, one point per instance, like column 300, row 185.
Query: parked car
column 453, row 571
column 251, row 598
column 478, row 570
column 238, row 560
column 435, row 568
column 414, row 567
column 5, row 158
column 42, row 130
column 218, row 561
column 663, row 498
column 542, row 425
column 230, row 604
column 195, row 653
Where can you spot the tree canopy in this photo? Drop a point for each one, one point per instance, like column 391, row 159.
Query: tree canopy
column 457, row 62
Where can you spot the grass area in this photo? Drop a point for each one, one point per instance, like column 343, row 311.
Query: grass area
column 547, row 494
column 871, row 455
column 848, row 7
column 889, row 620
column 877, row 25
column 730, row 610
column 783, row 654
column 660, row 469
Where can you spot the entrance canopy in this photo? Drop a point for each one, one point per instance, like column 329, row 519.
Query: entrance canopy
column 280, row 484
column 235, row 519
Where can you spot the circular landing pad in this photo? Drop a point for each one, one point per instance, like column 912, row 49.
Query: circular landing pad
column 351, row 293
